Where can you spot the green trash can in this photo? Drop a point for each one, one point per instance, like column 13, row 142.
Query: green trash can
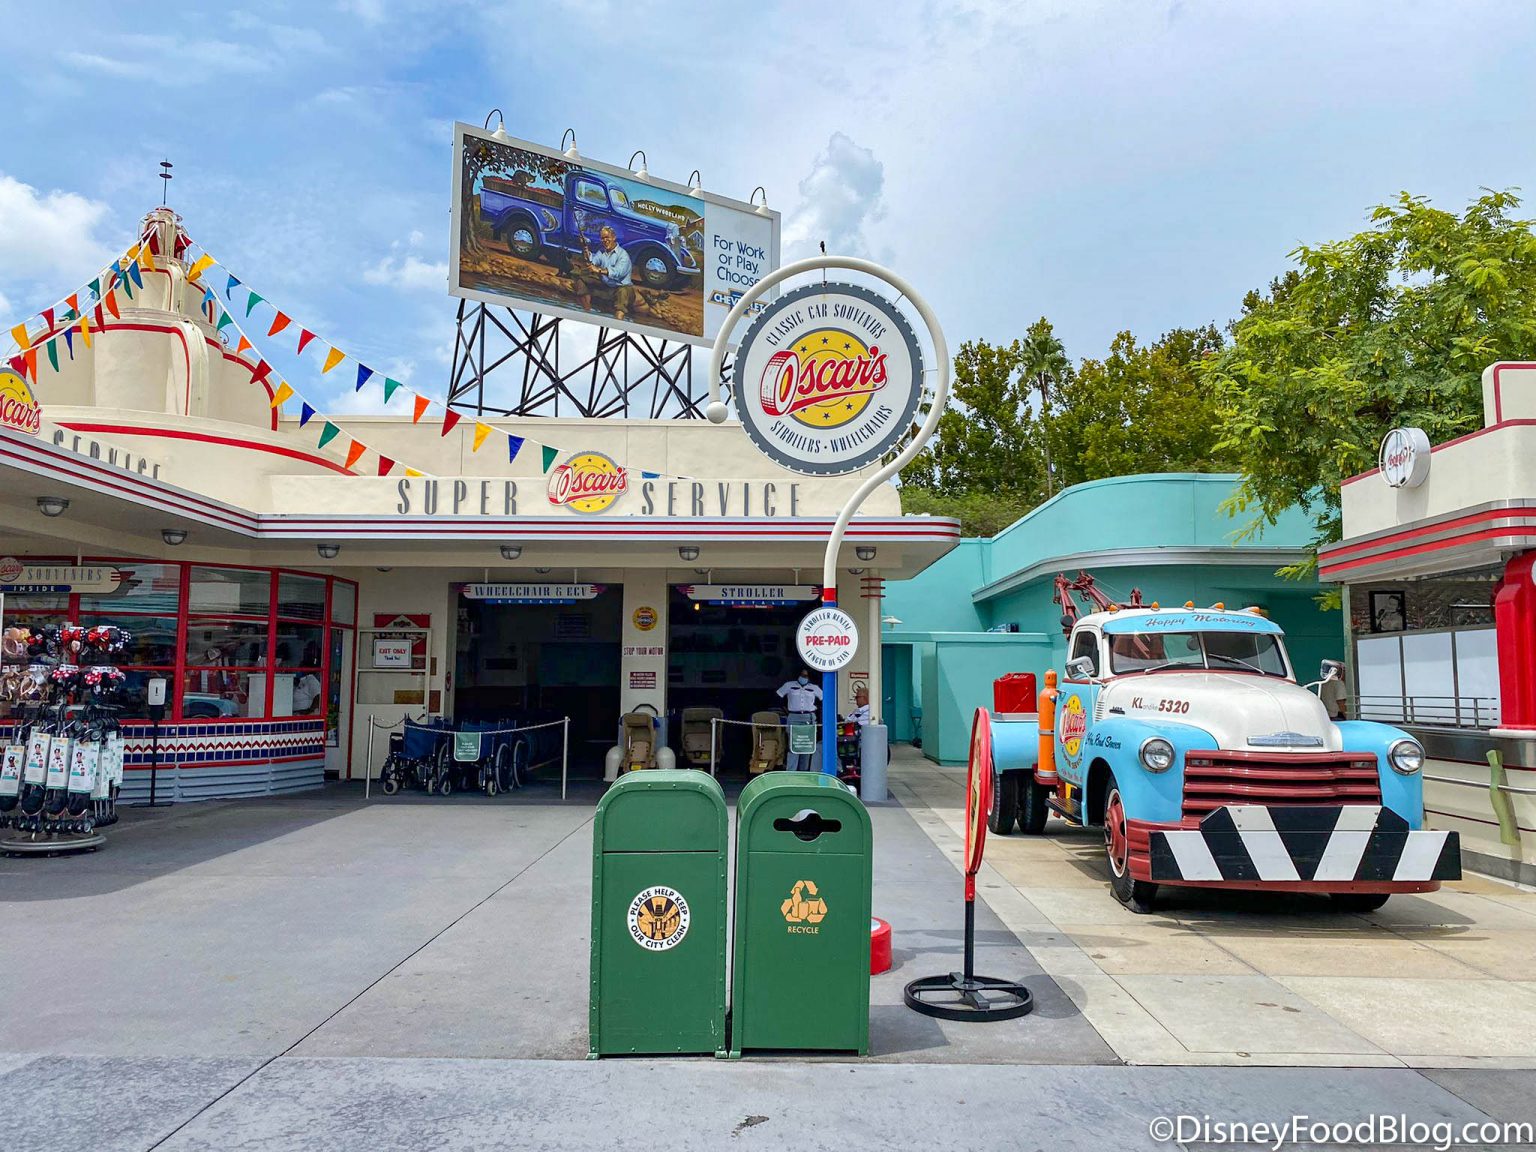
column 801, row 955
column 658, row 916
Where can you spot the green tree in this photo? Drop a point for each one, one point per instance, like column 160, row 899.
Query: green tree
column 1045, row 366
column 1391, row 326
column 1142, row 408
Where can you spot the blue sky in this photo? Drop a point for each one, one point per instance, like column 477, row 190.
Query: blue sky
column 1107, row 164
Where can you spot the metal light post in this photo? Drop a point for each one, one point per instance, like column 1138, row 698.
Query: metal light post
column 717, row 412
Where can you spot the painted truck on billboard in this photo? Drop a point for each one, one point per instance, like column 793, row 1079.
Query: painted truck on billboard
column 1184, row 735
column 537, row 222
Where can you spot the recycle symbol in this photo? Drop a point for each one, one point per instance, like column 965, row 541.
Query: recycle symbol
column 800, row 910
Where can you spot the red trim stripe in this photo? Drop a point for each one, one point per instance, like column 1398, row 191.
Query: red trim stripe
column 205, row 438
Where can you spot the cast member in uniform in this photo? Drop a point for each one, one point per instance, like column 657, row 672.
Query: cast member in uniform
column 801, row 697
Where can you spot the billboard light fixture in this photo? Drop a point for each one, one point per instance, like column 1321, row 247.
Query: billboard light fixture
column 762, row 209
column 641, row 173
column 500, row 135
column 570, row 153
column 695, row 183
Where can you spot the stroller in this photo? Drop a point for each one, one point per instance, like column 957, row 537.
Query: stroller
column 436, row 756
column 698, row 735
column 769, row 742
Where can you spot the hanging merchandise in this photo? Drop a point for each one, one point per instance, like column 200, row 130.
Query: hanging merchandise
column 61, row 769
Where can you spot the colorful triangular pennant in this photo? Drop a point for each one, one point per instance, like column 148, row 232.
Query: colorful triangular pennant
column 226, row 318
column 328, row 433
column 514, row 446
column 389, row 388
column 204, row 262
column 332, row 358
column 244, row 345
column 412, row 472
column 354, row 453
column 422, row 404
column 111, row 301
column 305, row 336
column 255, row 299
column 53, row 354
column 233, row 283
column 549, row 455
column 279, row 322
column 385, row 464
column 450, row 418
column 363, row 372
column 19, row 334
column 481, row 432
column 306, row 414
column 284, row 390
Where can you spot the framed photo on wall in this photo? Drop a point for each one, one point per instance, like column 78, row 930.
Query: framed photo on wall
column 1389, row 611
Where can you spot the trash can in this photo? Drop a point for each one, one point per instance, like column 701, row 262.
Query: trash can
column 658, row 916
column 800, row 972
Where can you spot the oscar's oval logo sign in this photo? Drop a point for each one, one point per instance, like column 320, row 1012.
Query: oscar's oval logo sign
column 588, row 482
column 18, row 409
column 828, row 379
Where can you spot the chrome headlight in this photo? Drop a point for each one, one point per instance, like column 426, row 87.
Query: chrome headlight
column 1156, row 754
column 1406, row 757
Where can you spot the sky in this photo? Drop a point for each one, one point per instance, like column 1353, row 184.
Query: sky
column 1109, row 164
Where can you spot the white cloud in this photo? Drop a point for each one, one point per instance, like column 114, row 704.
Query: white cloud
column 841, row 195
column 48, row 240
column 408, row 272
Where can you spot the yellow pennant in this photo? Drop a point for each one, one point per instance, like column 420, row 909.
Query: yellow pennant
column 204, row 263
column 481, row 432
column 148, row 257
column 85, row 329
column 19, row 334
column 412, row 472
column 332, row 358
column 133, row 253
column 284, row 390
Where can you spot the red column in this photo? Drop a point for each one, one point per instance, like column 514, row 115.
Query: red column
column 1514, row 616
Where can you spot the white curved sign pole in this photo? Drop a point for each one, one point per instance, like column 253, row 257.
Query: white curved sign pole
column 717, row 412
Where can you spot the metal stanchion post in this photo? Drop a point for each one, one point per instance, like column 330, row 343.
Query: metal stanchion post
column 713, row 722
column 565, row 753
column 368, row 762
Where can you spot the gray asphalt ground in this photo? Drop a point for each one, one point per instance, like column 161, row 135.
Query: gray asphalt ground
column 319, row 972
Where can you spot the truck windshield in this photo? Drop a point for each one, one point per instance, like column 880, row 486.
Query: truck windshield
column 1218, row 651
column 620, row 200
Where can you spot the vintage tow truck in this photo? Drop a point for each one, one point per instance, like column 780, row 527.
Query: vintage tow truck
column 1183, row 733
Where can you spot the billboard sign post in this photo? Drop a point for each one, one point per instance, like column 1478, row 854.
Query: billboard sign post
column 534, row 228
column 870, row 363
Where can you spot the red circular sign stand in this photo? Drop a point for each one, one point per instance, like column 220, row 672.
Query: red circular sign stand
column 965, row 995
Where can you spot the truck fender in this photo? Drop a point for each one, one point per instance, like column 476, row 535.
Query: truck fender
column 1015, row 744
column 1113, row 745
column 501, row 226
column 1403, row 794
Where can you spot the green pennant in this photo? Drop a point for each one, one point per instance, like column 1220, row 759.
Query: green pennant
column 328, row 433
column 549, row 456
column 53, row 354
column 127, row 286
column 225, row 319
column 95, row 287
column 252, row 302
column 389, row 388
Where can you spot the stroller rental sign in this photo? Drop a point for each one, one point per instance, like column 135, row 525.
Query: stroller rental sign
column 828, row 379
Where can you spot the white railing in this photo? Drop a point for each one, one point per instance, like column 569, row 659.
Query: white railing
column 1475, row 712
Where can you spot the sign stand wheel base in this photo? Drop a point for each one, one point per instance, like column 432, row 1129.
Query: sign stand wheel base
column 51, row 845
column 961, row 997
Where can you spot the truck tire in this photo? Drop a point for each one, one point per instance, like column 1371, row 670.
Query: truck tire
column 655, row 267
column 1137, row 895
column 1032, row 809
column 522, row 238
column 1005, row 804
column 1359, row 901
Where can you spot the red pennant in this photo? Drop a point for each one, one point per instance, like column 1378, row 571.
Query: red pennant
column 279, row 322
column 48, row 318
column 385, row 464
column 100, row 322
column 18, row 365
column 422, row 404
column 305, row 336
column 354, row 453
column 112, row 306
column 450, row 418
column 262, row 369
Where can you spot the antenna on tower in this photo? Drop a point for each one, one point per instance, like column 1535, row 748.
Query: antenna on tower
column 165, row 174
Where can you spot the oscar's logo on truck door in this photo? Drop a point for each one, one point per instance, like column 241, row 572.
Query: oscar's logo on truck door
column 1074, row 726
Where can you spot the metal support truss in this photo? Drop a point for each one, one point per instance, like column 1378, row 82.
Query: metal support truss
column 627, row 375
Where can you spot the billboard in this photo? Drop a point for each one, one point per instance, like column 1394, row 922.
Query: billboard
column 534, row 229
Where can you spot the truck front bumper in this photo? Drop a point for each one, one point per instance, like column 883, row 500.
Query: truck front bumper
column 1345, row 848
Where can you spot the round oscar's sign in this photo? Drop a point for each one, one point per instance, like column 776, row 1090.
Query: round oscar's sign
column 828, row 378
column 827, row 639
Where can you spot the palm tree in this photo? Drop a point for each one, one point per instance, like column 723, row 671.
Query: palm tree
column 1043, row 366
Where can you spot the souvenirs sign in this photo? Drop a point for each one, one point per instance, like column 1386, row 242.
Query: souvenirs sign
column 19, row 578
column 828, row 379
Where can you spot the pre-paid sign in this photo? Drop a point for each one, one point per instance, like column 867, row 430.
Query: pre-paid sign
column 827, row 639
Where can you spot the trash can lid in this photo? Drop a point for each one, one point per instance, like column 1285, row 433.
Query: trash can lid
column 787, row 794
column 662, row 810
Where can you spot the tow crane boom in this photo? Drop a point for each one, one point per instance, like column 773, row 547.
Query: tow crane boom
column 1085, row 587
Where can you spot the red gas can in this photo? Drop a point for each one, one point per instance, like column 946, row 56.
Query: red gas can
column 1014, row 692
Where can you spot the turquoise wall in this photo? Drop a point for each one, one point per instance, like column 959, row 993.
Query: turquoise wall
column 1164, row 534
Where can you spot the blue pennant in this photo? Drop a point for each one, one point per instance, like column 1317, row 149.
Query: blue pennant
column 514, row 446
column 233, row 280
column 363, row 372
column 306, row 414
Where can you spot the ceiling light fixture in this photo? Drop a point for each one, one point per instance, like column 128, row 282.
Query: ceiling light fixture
column 511, row 551
column 865, row 551
column 173, row 536
column 688, row 552
column 52, row 505
column 328, row 551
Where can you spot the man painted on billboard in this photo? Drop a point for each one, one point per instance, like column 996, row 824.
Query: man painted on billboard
column 605, row 275
column 529, row 227
column 554, row 232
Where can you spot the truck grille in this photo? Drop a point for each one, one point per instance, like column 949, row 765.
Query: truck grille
column 1215, row 779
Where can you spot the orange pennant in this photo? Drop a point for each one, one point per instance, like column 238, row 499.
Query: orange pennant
column 31, row 355
column 354, row 453
column 73, row 300
column 111, row 299
column 422, row 404
column 332, row 358
column 279, row 322
column 243, row 346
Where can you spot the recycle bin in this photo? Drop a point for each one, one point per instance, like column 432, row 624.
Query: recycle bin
column 801, row 955
column 659, row 844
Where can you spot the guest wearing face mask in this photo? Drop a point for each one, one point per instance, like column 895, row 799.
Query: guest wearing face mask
column 801, row 697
